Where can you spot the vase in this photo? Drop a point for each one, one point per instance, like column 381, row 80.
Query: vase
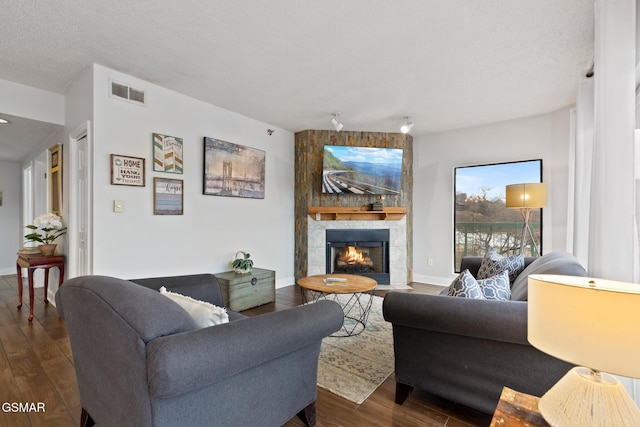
column 47, row 250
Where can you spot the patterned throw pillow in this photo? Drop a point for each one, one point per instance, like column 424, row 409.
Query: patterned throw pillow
column 465, row 285
column 493, row 264
column 497, row 287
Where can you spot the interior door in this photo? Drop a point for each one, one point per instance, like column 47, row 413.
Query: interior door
column 80, row 242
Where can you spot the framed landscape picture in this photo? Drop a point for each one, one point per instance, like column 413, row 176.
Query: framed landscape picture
column 126, row 170
column 233, row 170
column 167, row 153
column 168, row 196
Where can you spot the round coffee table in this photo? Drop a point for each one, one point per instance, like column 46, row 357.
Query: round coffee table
column 354, row 294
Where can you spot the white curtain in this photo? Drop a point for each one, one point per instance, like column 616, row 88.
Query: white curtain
column 636, row 273
column 606, row 212
column 582, row 155
column 604, row 235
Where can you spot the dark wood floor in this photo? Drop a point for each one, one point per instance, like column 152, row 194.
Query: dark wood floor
column 36, row 366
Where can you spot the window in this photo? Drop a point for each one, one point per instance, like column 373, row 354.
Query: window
column 481, row 218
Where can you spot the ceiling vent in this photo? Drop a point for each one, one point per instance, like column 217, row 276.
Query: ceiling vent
column 126, row 93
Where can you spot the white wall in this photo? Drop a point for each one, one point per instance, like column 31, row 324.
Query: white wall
column 10, row 231
column 31, row 103
column 435, row 157
column 137, row 243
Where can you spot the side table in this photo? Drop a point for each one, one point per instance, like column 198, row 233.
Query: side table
column 31, row 262
column 517, row 409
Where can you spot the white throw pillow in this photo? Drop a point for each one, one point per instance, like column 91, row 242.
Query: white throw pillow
column 203, row 313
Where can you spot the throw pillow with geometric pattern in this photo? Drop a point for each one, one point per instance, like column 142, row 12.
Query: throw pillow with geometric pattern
column 465, row 285
column 493, row 264
column 496, row 287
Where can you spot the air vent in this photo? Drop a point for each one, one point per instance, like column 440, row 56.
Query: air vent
column 127, row 93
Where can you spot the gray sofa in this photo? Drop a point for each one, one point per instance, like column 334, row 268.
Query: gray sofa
column 140, row 361
column 466, row 350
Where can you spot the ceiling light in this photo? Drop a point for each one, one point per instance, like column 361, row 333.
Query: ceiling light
column 336, row 124
column 405, row 128
column 4, row 121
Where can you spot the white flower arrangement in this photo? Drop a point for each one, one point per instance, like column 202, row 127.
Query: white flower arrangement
column 51, row 226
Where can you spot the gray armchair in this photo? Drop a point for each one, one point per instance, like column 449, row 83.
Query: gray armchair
column 140, row 361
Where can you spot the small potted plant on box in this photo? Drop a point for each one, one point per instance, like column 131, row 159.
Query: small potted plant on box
column 242, row 264
column 51, row 227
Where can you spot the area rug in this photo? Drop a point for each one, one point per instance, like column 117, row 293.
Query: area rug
column 354, row 367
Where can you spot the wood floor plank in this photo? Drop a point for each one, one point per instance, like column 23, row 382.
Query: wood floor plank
column 9, row 393
column 59, row 369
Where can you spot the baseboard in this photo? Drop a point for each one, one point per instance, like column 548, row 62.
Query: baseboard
column 433, row 280
column 287, row 281
column 7, row 271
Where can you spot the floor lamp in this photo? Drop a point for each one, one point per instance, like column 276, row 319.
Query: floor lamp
column 527, row 197
column 592, row 323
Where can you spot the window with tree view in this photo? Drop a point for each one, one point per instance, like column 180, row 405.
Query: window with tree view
column 481, row 218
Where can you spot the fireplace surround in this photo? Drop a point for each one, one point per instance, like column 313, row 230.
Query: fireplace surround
column 397, row 247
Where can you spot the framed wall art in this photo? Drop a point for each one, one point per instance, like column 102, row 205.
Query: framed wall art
column 55, row 182
column 233, row 170
column 126, row 170
column 167, row 153
column 168, row 196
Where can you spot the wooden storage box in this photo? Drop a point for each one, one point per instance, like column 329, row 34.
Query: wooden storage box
column 244, row 291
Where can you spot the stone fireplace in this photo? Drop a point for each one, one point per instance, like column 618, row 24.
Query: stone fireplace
column 315, row 212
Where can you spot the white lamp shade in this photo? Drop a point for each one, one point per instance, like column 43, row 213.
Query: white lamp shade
column 528, row 195
column 585, row 321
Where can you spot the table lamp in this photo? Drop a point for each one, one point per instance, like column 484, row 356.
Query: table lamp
column 526, row 197
column 593, row 323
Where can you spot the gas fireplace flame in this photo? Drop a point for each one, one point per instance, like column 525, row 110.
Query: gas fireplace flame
column 353, row 255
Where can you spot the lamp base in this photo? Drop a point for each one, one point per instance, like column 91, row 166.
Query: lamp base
column 584, row 397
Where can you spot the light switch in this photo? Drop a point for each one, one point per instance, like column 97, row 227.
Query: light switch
column 118, row 205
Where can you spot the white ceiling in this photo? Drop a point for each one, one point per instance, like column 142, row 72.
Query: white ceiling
column 290, row 63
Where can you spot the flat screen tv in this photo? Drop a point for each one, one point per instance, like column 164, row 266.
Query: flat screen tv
column 361, row 170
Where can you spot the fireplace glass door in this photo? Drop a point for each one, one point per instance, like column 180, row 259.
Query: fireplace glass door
column 361, row 252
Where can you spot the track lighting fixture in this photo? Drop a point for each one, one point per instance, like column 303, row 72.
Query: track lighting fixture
column 336, row 124
column 405, row 128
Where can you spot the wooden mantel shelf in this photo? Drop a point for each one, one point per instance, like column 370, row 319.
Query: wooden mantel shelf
column 333, row 213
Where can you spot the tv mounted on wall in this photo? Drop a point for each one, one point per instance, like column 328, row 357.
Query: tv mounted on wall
column 361, row 170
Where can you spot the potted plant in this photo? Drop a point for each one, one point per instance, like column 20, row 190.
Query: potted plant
column 50, row 226
column 242, row 264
